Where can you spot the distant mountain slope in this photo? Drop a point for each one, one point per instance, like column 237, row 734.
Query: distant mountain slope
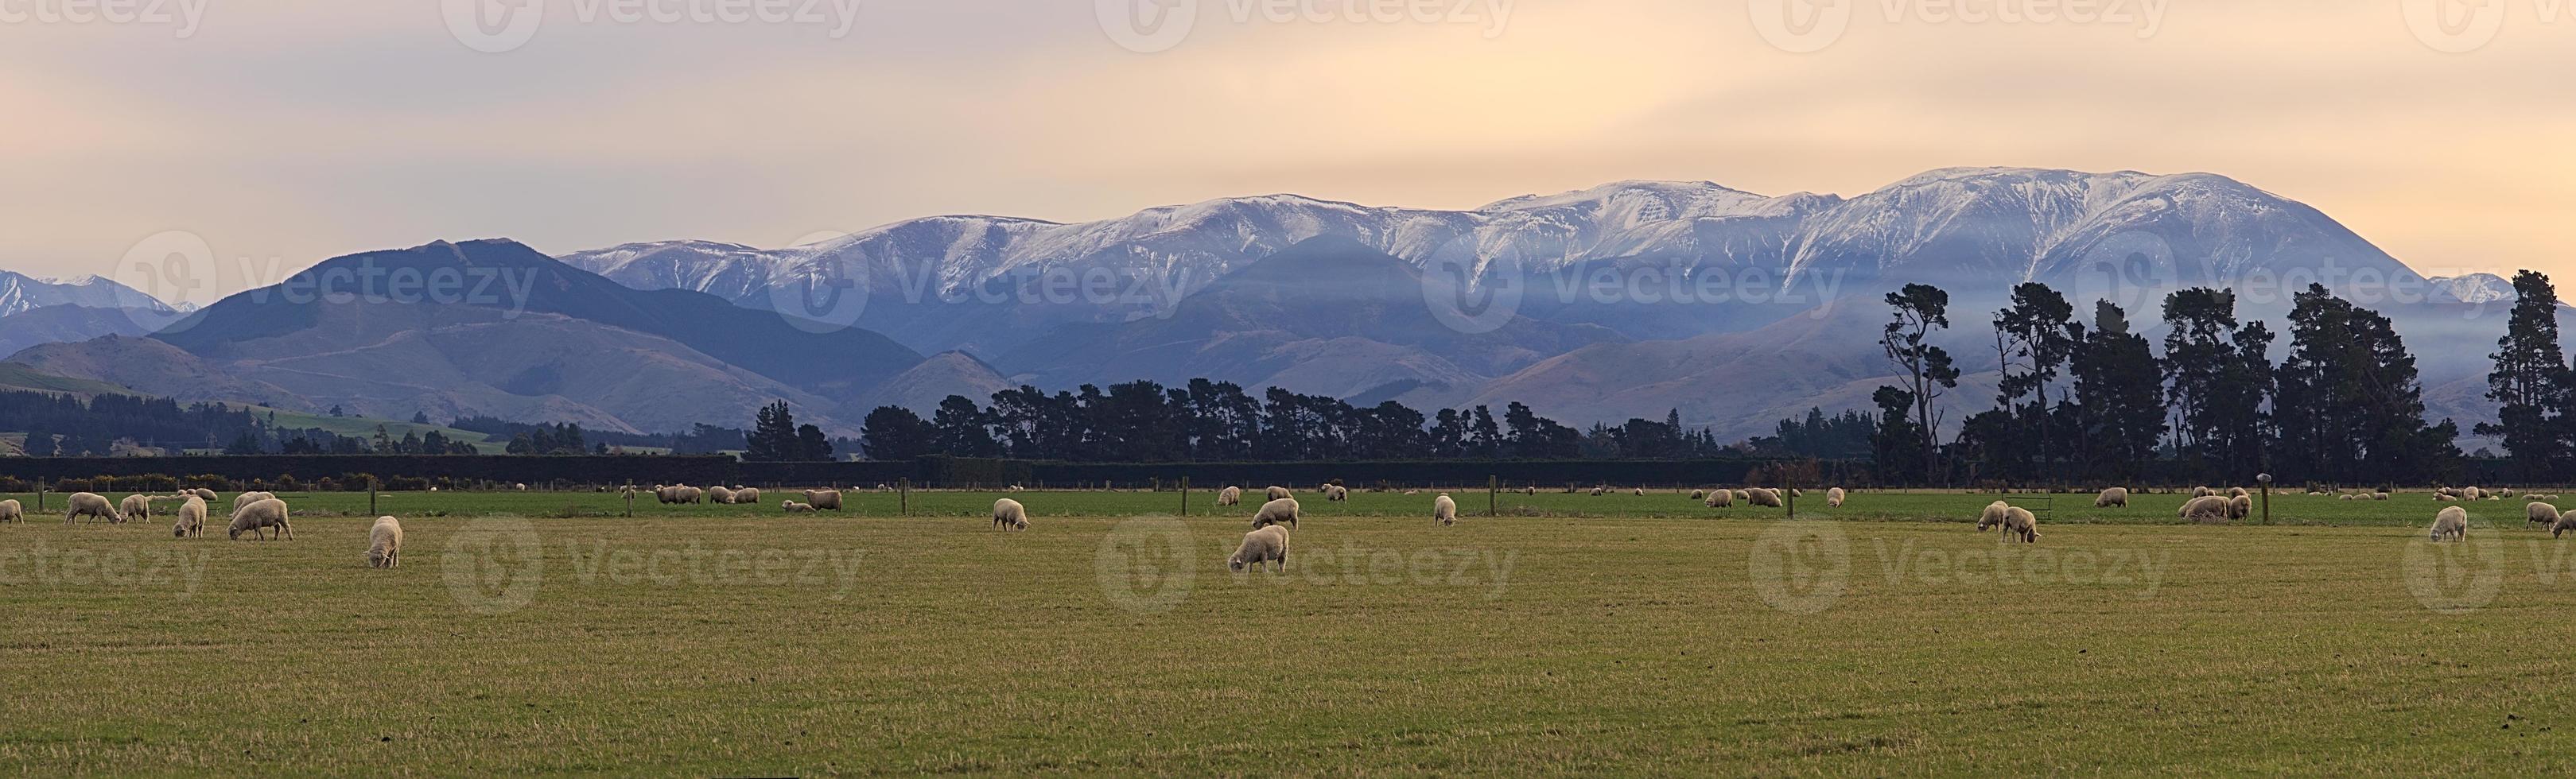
column 72, row 322
column 1328, row 316
column 20, row 292
column 154, row 368
column 15, row 377
column 924, row 386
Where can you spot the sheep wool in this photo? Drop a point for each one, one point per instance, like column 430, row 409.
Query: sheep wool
column 134, row 508
column 384, row 543
column 719, row 495
column 1718, row 499
column 2452, row 522
column 2115, row 496
column 192, row 518
column 86, row 504
column 1445, row 510
column 258, row 517
column 1762, row 496
column 793, row 507
column 1008, row 514
column 1278, row 512
column 1699, row 494
column 1229, row 496
column 2237, row 492
column 1834, row 497
column 1264, row 545
column 2240, row 507
column 204, row 494
column 1277, row 492
column 2018, row 521
column 1994, row 515
column 748, row 496
column 824, row 499
column 2542, row 514
column 2204, row 509
column 11, row 511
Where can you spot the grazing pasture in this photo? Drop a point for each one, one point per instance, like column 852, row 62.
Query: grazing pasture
column 540, row 632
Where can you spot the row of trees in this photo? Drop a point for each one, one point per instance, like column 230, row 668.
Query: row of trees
column 1213, row 421
column 2094, row 401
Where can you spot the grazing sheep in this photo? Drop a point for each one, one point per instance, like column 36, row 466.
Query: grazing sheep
column 384, row 543
column 2379, row 496
column 1529, row 490
column 2205, row 509
column 192, row 519
column 2472, row 493
column 2240, row 507
column 793, row 507
column 85, row 504
column 1797, row 493
column 1277, row 492
column 2018, row 521
column 1018, row 488
column 824, row 499
column 522, row 486
column 1762, row 496
column 2115, row 496
column 749, row 496
column 1718, row 499
column 256, row 518
column 1641, row 492
column 1699, row 494
column 1445, row 510
column 1333, row 492
column 1834, row 498
column 204, row 494
column 2237, row 492
column 1743, row 495
column 1283, row 510
column 692, row 495
column 1263, row 545
column 2453, row 522
column 2202, row 492
column 719, row 495
column 1008, row 514
column 1229, row 496
column 134, row 508
column 1994, row 516
column 2541, row 514
column 248, row 498
column 10, row 511
column 1598, row 491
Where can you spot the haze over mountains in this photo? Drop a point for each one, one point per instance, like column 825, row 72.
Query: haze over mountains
column 1622, row 300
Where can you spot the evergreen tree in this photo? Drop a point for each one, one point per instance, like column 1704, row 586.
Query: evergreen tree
column 2530, row 383
column 892, row 433
column 2118, row 404
column 1920, row 309
column 2219, row 376
column 773, row 435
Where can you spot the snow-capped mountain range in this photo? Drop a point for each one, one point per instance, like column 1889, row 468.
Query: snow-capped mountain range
column 20, row 292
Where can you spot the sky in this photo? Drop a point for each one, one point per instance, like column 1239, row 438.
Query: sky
column 271, row 134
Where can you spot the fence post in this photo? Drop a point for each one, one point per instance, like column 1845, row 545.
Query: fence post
column 630, row 503
column 371, row 495
column 1493, row 492
column 1185, row 496
column 903, row 496
column 40, row 499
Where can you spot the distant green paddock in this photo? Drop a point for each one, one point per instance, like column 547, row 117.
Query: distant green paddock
column 2404, row 509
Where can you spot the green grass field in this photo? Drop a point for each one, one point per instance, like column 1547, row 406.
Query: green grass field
column 536, row 632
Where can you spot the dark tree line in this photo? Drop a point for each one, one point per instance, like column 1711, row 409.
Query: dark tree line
column 1213, row 421
column 2093, row 401
column 2535, row 405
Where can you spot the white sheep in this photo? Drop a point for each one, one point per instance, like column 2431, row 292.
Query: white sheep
column 521, row 486
column 1641, row 492
column 1994, row 516
column 1762, row 496
column 248, row 498
column 256, row 518
column 2202, row 492
column 1008, row 514
column 2472, row 493
column 2452, row 522
column 1445, row 510
column 10, row 511
column 2204, row 509
column 134, row 508
column 1229, row 496
column 2018, row 521
column 2240, row 507
column 1263, row 545
column 2115, row 496
column 1742, row 495
column 1277, row 492
column 87, row 504
column 192, row 519
column 2541, row 514
column 719, row 495
column 748, row 496
column 1597, row 491
column 793, row 507
column 1699, row 494
column 384, row 543
column 1333, row 492
column 824, row 499
column 2379, row 496
column 692, row 495
column 1281, row 511
column 2237, row 492
column 1718, row 499
column 206, row 495
column 1834, row 497
column 1529, row 490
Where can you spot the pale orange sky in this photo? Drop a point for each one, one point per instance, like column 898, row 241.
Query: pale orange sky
column 285, row 133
